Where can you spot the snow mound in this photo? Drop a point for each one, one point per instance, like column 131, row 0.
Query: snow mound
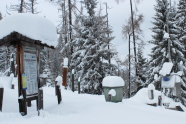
column 6, row 82
column 151, row 87
column 113, row 81
column 59, row 80
column 30, row 25
column 142, row 96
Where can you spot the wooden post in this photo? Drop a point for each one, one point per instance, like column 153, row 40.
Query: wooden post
column 40, row 99
column 159, row 100
column 152, row 94
column 1, row 98
column 20, row 67
column 79, row 85
column 109, row 97
column 18, row 70
column 59, row 98
column 29, row 103
column 12, row 86
column 73, row 80
column 65, row 70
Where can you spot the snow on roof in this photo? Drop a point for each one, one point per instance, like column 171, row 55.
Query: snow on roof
column 113, row 81
column 30, row 25
column 169, row 81
column 166, row 69
column 151, row 87
column 112, row 92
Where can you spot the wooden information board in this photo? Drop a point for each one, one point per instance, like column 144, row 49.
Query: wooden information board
column 30, row 61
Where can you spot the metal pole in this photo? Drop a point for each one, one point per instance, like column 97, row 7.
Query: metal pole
column 73, row 80
column 79, row 85
column 134, row 42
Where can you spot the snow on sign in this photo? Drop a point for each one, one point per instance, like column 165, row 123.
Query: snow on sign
column 166, row 69
column 31, row 72
column 30, row 25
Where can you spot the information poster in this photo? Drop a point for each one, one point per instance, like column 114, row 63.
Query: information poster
column 31, row 73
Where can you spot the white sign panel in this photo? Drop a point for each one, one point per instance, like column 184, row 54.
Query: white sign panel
column 31, row 73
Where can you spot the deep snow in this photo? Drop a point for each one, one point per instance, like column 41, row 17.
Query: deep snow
column 86, row 109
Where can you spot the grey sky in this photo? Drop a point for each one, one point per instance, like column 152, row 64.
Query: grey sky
column 117, row 16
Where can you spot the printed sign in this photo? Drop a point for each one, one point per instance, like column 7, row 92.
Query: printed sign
column 31, row 73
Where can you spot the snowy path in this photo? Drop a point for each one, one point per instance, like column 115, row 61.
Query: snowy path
column 85, row 109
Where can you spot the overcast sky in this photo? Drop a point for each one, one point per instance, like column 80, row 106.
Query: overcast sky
column 117, row 15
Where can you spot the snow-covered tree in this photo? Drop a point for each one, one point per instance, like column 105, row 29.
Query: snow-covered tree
column 45, row 63
column 164, row 23
column 181, row 20
column 20, row 7
column 91, row 55
column 142, row 68
column 30, row 6
column 181, row 23
column 5, row 59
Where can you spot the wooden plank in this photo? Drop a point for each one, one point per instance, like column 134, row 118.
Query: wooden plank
column 18, row 70
column 30, row 45
column 38, row 67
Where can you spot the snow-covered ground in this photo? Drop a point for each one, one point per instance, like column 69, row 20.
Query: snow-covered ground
column 86, row 109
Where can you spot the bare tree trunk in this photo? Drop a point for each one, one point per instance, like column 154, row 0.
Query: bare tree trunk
column 70, row 24
column 21, row 7
column 64, row 21
column 132, row 18
column 32, row 6
column 107, row 28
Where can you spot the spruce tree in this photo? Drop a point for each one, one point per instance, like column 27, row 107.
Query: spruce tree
column 160, row 52
column 91, row 55
column 181, row 23
column 142, row 68
column 181, row 20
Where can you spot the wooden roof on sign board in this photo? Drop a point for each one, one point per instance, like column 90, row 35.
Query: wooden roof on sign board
column 12, row 38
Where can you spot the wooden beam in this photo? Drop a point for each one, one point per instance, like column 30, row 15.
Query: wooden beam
column 18, row 70
column 31, row 45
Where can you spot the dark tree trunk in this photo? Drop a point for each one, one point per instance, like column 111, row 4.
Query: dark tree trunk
column 132, row 18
